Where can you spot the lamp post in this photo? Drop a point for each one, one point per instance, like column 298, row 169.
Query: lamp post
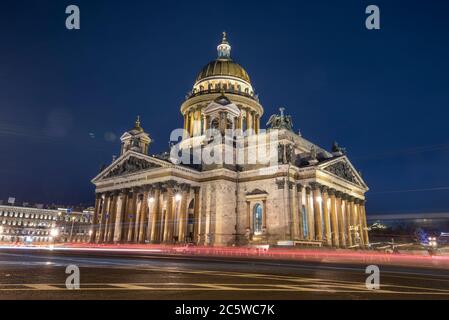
column 54, row 233
column 71, row 230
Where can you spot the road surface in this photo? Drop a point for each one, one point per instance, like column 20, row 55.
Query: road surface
column 40, row 275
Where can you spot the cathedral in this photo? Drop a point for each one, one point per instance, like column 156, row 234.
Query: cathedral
column 236, row 183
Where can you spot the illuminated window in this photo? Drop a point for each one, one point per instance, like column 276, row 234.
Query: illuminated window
column 304, row 221
column 258, row 219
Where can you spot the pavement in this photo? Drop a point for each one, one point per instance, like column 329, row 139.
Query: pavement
column 40, row 275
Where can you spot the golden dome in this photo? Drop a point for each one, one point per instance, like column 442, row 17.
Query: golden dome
column 223, row 67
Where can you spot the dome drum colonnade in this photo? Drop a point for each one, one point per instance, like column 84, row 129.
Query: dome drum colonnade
column 155, row 213
column 222, row 76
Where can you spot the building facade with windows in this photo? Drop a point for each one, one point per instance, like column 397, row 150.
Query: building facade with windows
column 39, row 226
column 299, row 192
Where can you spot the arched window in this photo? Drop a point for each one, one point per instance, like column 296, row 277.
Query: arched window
column 190, row 221
column 229, row 123
column 258, row 219
column 215, row 124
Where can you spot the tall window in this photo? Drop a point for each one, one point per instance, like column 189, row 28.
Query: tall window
column 215, row 124
column 304, row 221
column 258, row 219
column 229, row 123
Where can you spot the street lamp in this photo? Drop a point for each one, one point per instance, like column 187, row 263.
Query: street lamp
column 71, row 230
column 433, row 242
column 54, row 232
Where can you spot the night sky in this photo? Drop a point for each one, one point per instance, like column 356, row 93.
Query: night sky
column 67, row 96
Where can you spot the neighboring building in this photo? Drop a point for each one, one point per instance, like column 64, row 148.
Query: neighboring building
column 433, row 223
column 305, row 195
column 38, row 225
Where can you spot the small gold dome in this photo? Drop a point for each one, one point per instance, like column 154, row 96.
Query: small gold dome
column 223, row 67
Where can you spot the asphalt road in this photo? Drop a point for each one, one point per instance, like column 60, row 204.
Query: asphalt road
column 41, row 275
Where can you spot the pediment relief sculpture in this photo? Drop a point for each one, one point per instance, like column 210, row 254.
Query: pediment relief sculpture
column 131, row 165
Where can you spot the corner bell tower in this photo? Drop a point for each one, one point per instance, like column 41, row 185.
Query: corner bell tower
column 136, row 139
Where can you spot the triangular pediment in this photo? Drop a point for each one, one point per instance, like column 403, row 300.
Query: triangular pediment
column 215, row 107
column 257, row 192
column 130, row 163
column 342, row 168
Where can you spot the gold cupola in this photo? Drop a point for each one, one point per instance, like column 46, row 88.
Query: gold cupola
column 221, row 76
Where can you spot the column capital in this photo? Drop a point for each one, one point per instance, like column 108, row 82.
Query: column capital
column 170, row 184
column 324, row 189
column 156, row 185
column 196, row 190
column 123, row 194
column 299, row 187
column 339, row 194
column 135, row 190
column 315, row 185
column 185, row 187
column 308, row 189
column 331, row 191
column 351, row 199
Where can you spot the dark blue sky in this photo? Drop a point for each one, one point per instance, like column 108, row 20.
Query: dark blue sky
column 382, row 94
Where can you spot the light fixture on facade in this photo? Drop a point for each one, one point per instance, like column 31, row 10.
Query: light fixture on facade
column 54, row 232
column 151, row 200
column 178, row 197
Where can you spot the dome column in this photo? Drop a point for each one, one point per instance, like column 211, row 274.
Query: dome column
column 185, row 126
column 248, row 120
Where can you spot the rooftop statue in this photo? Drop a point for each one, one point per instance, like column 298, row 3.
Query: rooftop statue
column 280, row 121
column 336, row 149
